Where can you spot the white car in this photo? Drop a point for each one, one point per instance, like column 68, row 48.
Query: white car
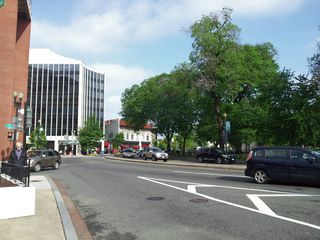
column 155, row 154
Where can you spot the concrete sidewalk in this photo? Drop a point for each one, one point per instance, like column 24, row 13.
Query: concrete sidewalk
column 51, row 221
column 45, row 224
column 182, row 163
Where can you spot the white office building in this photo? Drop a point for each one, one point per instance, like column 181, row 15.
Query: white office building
column 63, row 93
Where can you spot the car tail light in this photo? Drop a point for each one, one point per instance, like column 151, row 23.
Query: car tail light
column 249, row 156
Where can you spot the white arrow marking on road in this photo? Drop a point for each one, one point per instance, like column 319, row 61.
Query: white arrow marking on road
column 262, row 207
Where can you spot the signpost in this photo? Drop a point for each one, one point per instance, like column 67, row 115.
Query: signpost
column 9, row 125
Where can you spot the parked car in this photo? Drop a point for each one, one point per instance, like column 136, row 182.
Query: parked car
column 139, row 153
column 128, row 153
column 283, row 163
column 43, row 158
column 155, row 154
column 213, row 154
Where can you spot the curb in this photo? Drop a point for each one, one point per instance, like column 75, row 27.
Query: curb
column 194, row 165
column 69, row 230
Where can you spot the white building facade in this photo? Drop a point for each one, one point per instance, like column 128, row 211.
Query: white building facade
column 133, row 139
column 62, row 94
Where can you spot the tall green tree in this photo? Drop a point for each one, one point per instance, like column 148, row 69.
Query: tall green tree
column 184, row 76
column 91, row 134
column 38, row 139
column 164, row 101
column 215, row 40
column 228, row 72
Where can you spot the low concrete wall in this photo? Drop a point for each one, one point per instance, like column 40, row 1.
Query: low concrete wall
column 17, row 201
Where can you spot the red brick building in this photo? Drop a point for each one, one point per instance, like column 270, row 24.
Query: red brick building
column 15, row 24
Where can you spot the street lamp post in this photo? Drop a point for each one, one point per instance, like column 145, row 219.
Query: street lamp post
column 225, row 133
column 17, row 103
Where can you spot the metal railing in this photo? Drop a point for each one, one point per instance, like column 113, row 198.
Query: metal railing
column 16, row 172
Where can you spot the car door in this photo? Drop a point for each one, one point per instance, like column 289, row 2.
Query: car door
column 213, row 154
column 45, row 159
column 148, row 153
column 278, row 163
column 304, row 166
column 51, row 158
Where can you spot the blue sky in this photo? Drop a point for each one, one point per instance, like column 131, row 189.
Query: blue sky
column 131, row 40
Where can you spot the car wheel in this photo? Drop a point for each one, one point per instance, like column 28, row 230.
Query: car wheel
column 37, row 167
column 260, row 176
column 56, row 165
column 154, row 158
column 165, row 160
column 219, row 160
column 200, row 159
column 145, row 157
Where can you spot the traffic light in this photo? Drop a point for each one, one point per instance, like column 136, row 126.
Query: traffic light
column 10, row 136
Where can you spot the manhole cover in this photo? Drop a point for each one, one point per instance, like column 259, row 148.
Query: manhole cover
column 155, row 198
column 198, row 200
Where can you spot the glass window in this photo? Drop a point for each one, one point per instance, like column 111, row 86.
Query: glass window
column 276, row 153
column 131, row 136
column 259, row 153
column 51, row 153
column 299, row 156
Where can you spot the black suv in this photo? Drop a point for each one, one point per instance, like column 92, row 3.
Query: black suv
column 283, row 163
column 213, row 154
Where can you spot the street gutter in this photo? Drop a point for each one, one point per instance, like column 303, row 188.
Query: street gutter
column 182, row 163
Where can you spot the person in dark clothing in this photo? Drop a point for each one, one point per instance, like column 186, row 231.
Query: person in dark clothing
column 18, row 156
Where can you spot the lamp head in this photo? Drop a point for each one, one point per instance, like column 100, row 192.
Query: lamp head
column 20, row 96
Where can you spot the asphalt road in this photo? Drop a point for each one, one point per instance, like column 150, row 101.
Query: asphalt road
column 123, row 200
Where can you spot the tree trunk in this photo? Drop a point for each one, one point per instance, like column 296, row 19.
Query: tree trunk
column 219, row 118
column 184, row 146
column 168, row 143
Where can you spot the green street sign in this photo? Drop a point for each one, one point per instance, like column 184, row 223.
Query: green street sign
column 8, row 125
column 2, row 3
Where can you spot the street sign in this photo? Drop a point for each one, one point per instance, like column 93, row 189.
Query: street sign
column 2, row 3
column 8, row 125
column 14, row 120
column 228, row 126
column 28, row 117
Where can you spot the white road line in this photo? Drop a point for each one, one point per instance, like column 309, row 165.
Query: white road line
column 192, row 190
column 211, row 174
column 216, row 186
column 260, row 205
column 255, row 198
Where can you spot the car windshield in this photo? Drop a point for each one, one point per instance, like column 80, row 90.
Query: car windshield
column 316, row 153
column 34, row 154
column 157, row 150
column 127, row 150
column 221, row 151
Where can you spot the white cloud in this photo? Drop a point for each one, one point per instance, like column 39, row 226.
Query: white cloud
column 118, row 78
column 99, row 26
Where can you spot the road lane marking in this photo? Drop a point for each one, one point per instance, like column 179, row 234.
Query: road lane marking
column 216, row 186
column 260, row 204
column 211, row 174
column 257, row 201
column 262, row 207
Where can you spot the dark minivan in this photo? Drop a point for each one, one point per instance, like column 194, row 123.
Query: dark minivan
column 284, row 164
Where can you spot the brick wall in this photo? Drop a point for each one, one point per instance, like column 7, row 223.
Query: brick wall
column 14, row 52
